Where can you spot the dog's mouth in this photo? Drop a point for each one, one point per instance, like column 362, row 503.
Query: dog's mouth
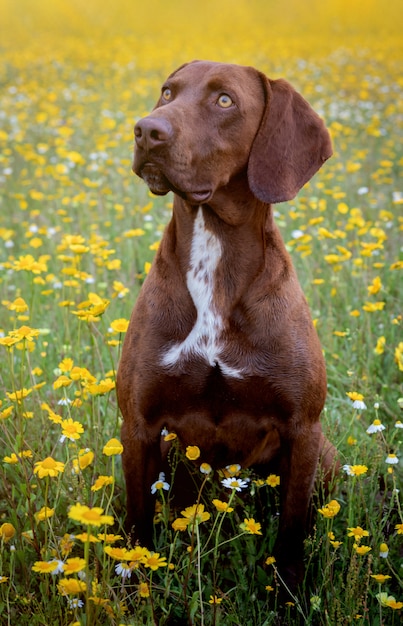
column 160, row 185
column 155, row 179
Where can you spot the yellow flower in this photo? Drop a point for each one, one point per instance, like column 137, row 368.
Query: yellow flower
column 222, row 506
column 45, row 567
column 29, row 264
column 117, row 553
column 81, row 373
column 66, row 544
column 215, row 600
column 358, row 533
column 95, row 600
column 196, row 514
column 120, row 325
column 102, row 481
column 12, row 459
column 192, row 452
column 7, row 532
column 355, row 470
column 85, row 537
column 109, row 537
column 73, row 565
column 136, row 555
column 154, row 561
column 144, row 590
column 103, row 386
column 8, row 341
column 399, row 529
column 25, row 333
column 331, row 509
column 273, row 480
column 66, row 365
column 19, row 395
column 48, row 467
column 97, row 307
column 361, row 549
column 71, row 586
column 371, row 307
column 56, row 419
column 170, row 436
column 112, row 447
column 251, row 527
column 380, row 578
column 19, row 305
column 6, row 412
column 375, row 286
column 119, row 290
column 353, row 395
column 399, row 356
column 62, row 381
column 134, row 232
column 270, row 560
column 180, row 523
column 380, row 345
column 85, row 458
column 44, row 513
column 90, row 516
column 71, row 429
column 393, row 604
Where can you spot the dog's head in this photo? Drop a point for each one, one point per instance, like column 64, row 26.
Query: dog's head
column 214, row 121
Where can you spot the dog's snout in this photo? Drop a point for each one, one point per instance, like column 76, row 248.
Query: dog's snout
column 152, row 132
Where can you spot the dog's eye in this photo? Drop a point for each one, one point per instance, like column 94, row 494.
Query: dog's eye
column 224, row 101
column 166, row 94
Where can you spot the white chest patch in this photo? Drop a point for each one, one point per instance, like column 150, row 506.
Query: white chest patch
column 205, row 338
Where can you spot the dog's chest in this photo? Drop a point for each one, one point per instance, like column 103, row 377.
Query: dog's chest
column 205, row 340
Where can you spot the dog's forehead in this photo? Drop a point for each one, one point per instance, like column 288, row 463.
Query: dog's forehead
column 216, row 75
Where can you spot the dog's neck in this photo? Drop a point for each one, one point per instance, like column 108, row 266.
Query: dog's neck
column 237, row 232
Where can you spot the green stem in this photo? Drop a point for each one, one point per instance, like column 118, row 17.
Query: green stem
column 87, row 577
column 199, row 576
column 46, row 504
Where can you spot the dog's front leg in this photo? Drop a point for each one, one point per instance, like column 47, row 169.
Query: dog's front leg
column 298, row 468
column 141, row 465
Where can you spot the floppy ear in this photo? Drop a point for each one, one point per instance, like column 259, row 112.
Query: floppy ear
column 291, row 144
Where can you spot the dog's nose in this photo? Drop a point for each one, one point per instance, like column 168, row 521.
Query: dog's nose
column 152, row 132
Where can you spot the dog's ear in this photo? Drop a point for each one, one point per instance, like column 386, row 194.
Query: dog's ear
column 291, row 144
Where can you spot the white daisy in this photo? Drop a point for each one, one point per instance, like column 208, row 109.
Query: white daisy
column 235, row 483
column 160, row 484
column 375, row 427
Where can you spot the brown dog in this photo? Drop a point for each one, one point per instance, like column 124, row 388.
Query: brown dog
column 221, row 348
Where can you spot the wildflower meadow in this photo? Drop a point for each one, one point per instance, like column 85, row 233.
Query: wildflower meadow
column 78, row 233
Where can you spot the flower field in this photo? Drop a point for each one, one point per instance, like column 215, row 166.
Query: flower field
column 78, row 233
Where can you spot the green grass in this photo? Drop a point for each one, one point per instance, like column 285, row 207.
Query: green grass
column 77, row 231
